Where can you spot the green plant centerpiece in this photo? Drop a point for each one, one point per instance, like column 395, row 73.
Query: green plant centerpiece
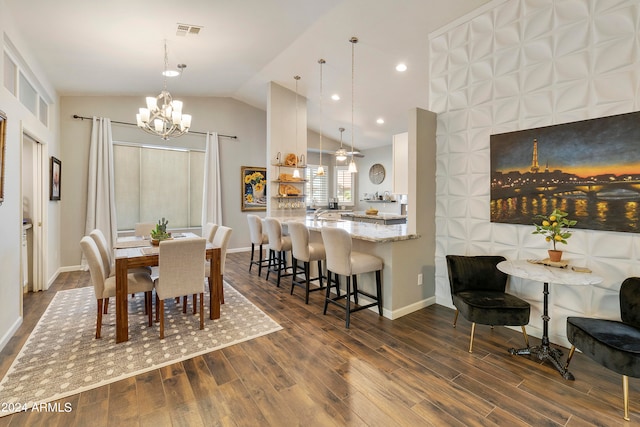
column 554, row 229
column 159, row 233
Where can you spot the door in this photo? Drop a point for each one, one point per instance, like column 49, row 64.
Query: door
column 34, row 202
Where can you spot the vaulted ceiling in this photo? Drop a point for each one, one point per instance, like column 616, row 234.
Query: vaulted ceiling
column 116, row 48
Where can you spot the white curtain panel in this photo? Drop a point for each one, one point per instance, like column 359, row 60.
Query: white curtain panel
column 101, row 206
column 211, row 194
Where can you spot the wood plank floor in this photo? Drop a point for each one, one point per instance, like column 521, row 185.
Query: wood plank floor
column 412, row 371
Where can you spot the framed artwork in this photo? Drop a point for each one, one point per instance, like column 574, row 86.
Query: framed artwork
column 254, row 188
column 55, row 179
column 3, row 132
column 589, row 169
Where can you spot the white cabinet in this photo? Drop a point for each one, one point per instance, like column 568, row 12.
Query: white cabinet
column 401, row 163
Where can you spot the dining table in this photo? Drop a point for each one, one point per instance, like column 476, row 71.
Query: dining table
column 544, row 271
column 132, row 252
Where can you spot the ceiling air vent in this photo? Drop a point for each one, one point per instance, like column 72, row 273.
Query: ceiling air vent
column 186, row 29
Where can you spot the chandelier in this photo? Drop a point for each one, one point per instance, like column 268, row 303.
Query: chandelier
column 165, row 120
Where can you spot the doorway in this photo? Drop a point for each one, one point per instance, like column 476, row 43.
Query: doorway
column 34, row 203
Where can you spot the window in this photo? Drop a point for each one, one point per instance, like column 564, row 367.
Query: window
column 344, row 186
column 27, row 94
column 156, row 182
column 10, row 69
column 317, row 187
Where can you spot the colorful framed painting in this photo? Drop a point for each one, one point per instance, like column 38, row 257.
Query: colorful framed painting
column 254, row 188
column 589, row 169
column 55, row 179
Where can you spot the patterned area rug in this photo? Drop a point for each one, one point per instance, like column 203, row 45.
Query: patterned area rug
column 62, row 356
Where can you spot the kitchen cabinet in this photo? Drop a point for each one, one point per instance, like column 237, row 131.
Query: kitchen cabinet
column 401, row 163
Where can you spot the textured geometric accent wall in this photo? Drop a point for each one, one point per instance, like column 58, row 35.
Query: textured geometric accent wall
column 525, row 64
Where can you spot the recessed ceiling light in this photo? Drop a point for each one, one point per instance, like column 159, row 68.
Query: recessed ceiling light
column 380, row 121
column 335, row 97
column 170, row 73
column 401, row 67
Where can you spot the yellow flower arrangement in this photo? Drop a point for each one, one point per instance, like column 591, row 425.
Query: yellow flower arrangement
column 553, row 227
column 254, row 178
column 249, row 198
column 259, row 186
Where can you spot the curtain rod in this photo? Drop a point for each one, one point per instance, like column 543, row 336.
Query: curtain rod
column 75, row 116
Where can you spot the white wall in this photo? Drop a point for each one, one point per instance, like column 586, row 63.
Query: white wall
column 223, row 115
column 20, row 120
column 520, row 65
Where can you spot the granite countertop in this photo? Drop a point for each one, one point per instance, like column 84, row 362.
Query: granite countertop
column 379, row 215
column 378, row 233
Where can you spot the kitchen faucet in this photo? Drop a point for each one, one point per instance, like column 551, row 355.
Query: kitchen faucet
column 317, row 214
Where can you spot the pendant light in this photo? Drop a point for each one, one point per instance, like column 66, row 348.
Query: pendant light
column 341, row 154
column 353, row 40
column 296, row 171
column 320, row 171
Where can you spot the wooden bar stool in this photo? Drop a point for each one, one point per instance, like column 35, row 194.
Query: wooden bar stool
column 342, row 261
column 306, row 252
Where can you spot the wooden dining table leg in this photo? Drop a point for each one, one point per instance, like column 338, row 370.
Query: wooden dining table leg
column 122, row 315
column 214, row 274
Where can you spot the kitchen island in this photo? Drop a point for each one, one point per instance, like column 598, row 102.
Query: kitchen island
column 401, row 252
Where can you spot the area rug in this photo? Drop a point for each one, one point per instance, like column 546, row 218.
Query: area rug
column 62, row 357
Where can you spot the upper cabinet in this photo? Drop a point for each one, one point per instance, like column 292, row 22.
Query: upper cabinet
column 400, row 163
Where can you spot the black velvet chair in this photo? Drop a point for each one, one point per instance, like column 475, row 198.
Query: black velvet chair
column 613, row 344
column 478, row 292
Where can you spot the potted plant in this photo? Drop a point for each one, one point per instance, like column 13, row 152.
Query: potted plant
column 554, row 229
column 160, row 232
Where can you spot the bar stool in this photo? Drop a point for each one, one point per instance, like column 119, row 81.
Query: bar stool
column 302, row 250
column 341, row 260
column 257, row 238
column 278, row 246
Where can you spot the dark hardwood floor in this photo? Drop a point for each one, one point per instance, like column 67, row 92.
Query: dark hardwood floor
column 412, row 371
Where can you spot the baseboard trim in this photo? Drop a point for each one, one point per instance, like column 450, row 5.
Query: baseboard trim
column 12, row 330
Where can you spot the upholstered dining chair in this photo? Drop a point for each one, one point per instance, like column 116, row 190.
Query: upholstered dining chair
column 107, row 260
column 279, row 245
column 307, row 252
column 478, row 292
column 181, row 265
column 105, row 286
column 611, row 343
column 257, row 238
column 143, row 229
column 220, row 240
column 343, row 261
column 209, row 231
column 106, row 254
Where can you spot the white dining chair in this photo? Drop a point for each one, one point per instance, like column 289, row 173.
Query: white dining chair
column 181, row 265
column 220, row 240
column 105, row 287
column 143, row 229
column 107, row 260
column 209, row 231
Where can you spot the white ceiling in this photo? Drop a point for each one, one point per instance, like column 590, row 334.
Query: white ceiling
column 116, row 48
